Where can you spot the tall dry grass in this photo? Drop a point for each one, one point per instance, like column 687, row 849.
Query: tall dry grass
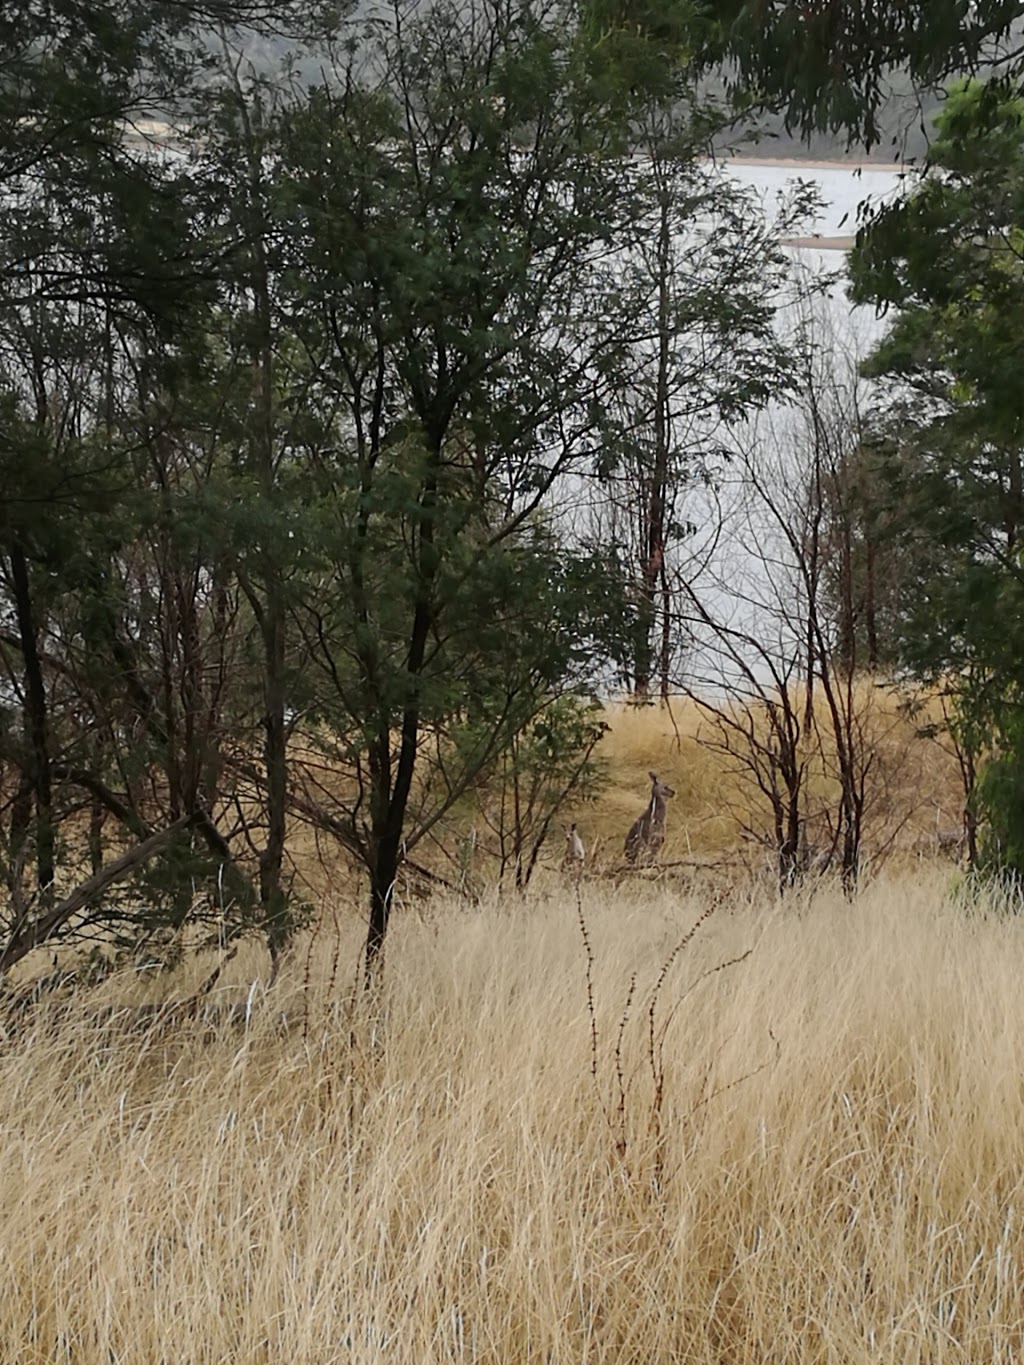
column 825, row 1162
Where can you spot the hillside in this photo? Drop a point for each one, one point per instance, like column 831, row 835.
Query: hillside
column 719, row 824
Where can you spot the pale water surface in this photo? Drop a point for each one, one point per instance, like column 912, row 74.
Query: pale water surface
column 738, row 559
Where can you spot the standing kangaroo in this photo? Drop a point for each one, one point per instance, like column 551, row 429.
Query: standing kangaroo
column 644, row 840
column 575, row 853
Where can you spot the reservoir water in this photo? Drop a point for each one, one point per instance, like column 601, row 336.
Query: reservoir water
column 739, row 561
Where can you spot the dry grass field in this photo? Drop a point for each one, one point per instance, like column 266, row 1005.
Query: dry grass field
column 799, row 1136
column 912, row 788
column 675, row 1119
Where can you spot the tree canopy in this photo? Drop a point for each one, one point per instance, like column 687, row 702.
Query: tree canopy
column 948, row 260
column 827, row 64
column 290, row 411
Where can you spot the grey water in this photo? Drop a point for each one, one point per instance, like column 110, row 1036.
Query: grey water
column 739, row 561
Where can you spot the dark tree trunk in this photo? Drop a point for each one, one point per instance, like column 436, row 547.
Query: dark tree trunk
column 851, row 856
column 966, row 758
column 971, row 836
column 271, row 610
column 382, row 888
column 666, row 637
column 390, row 806
column 790, row 847
column 517, row 817
column 657, row 494
column 275, row 759
column 35, row 719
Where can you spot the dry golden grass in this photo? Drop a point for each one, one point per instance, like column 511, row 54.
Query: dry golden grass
column 913, row 787
column 665, row 740
column 831, row 1169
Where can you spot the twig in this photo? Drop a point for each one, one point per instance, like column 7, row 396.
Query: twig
column 589, row 953
column 192, row 1005
column 620, row 1146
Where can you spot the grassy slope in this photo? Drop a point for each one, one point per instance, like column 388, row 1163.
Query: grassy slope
column 912, row 787
column 912, row 791
column 834, row 1170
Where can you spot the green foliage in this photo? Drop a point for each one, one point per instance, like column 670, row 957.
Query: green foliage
column 1000, row 797
column 286, row 415
column 951, row 449
column 828, row 65
column 646, row 47
column 87, row 216
column 951, row 452
column 949, row 257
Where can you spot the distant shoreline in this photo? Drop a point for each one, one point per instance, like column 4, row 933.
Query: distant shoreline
column 798, row 163
column 819, row 243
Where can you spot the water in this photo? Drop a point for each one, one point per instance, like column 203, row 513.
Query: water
column 842, row 188
column 739, row 564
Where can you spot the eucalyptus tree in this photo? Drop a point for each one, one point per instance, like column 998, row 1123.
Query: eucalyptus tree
column 450, row 207
column 950, row 443
column 705, row 277
column 121, row 625
column 829, row 66
column 102, row 274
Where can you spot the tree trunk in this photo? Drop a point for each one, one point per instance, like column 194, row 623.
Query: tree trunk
column 666, row 637
column 275, row 758
column 790, row 853
column 392, row 806
column 47, row 925
column 35, row 720
column 273, row 898
column 656, row 496
column 517, row 818
column 382, row 885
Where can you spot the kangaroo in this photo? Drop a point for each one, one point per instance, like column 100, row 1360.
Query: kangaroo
column 644, row 840
column 575, row 853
